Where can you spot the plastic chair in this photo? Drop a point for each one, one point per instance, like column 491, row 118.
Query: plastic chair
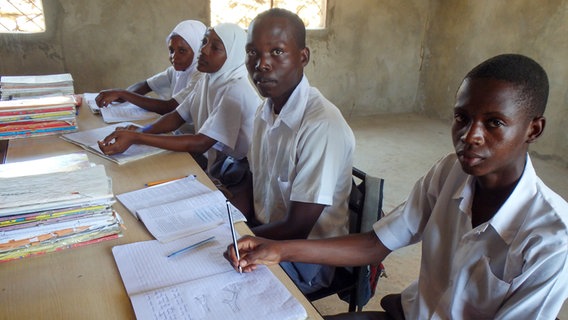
column 356, row 285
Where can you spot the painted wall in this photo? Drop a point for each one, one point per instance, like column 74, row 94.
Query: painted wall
column 376, row 56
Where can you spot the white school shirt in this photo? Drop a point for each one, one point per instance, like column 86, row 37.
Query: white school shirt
column 515, row 266
column 163, row 84
column 228, row 120
column 304, row 154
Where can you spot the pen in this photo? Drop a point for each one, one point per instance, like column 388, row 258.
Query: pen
column 234, row 234
column 193, row 246
column 153, row 183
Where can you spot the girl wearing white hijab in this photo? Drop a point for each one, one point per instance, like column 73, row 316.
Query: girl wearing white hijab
column 172, row 85
column 222, row 107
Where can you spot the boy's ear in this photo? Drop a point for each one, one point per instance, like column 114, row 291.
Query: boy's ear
column 305, row 56
column 536, row 127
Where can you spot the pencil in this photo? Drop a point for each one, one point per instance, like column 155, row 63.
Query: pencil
column 153, row 183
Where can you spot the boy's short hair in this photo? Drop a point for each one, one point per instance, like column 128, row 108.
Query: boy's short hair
column 521, row 71
column 294, row 19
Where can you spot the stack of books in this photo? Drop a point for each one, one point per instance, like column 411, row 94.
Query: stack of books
column 37, row 116
column 65, row 202
column 20, row 87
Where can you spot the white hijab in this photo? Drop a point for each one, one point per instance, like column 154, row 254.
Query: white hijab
column 234, row 39
column 192, row 32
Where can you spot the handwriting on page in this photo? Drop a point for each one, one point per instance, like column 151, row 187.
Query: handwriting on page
column 200, row 284
column 229, row 295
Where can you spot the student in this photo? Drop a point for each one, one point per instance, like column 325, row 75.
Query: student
column 302, row 150
column 222, row 106
column 494, row 237
column 172, row 85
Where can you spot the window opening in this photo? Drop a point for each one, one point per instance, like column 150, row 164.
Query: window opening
column 21, row 16
column 241, row 12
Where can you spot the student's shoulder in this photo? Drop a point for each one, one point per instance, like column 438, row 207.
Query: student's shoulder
column 554, row 201
column 319, row 107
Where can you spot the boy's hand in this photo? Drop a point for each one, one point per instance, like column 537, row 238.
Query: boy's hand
column 253, row 251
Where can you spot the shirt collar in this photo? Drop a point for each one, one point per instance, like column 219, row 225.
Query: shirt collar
column 512, row 214
column 292, row 112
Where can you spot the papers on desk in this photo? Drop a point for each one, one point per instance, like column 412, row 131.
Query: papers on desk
column 118, row 112
column 179, row 208
column 88, row 140
column 20, row 87
column 200, row 284
column 67, row 207
column 37, row 117
column 68, row 162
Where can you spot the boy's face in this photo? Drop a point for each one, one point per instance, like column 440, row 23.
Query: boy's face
column 274, row 61
column 491, row 131
column 181, row 54
column 212, row 54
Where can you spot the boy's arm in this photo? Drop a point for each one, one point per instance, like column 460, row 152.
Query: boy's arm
column 351, row 250
column 298, row 223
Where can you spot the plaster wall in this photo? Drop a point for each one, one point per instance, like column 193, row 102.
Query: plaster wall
column 375, row 56
column 461, row 34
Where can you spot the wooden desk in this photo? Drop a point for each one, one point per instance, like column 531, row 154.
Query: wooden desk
column 84, row 283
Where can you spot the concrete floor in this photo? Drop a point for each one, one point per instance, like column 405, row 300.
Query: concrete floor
column 400, row 149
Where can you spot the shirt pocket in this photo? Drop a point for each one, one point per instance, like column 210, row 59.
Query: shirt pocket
column 484, row 292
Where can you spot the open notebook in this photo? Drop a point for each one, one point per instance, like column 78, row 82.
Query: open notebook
column 88, row 140
column 118, row 112
column 179, row 208
column 200, row 284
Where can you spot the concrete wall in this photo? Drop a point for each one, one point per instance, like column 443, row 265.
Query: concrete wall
column 376, row 56
column 461, row 34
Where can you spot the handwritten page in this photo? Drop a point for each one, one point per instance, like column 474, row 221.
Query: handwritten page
column 162, row 193
column 173, row 220
column 88, row 140
column 200, row 284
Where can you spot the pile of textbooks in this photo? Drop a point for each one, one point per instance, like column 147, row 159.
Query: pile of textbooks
column 65, row 202
column 37, row 116
column 21, row 87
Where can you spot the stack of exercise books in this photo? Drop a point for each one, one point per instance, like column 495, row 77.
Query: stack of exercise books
column 21, row 87
column 37, row 116
column 53, row 204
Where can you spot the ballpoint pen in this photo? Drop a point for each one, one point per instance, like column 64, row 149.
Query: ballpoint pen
column 234, row 234
column 193, row 246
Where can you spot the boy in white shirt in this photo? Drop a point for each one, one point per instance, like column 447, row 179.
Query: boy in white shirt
column 494, row 237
